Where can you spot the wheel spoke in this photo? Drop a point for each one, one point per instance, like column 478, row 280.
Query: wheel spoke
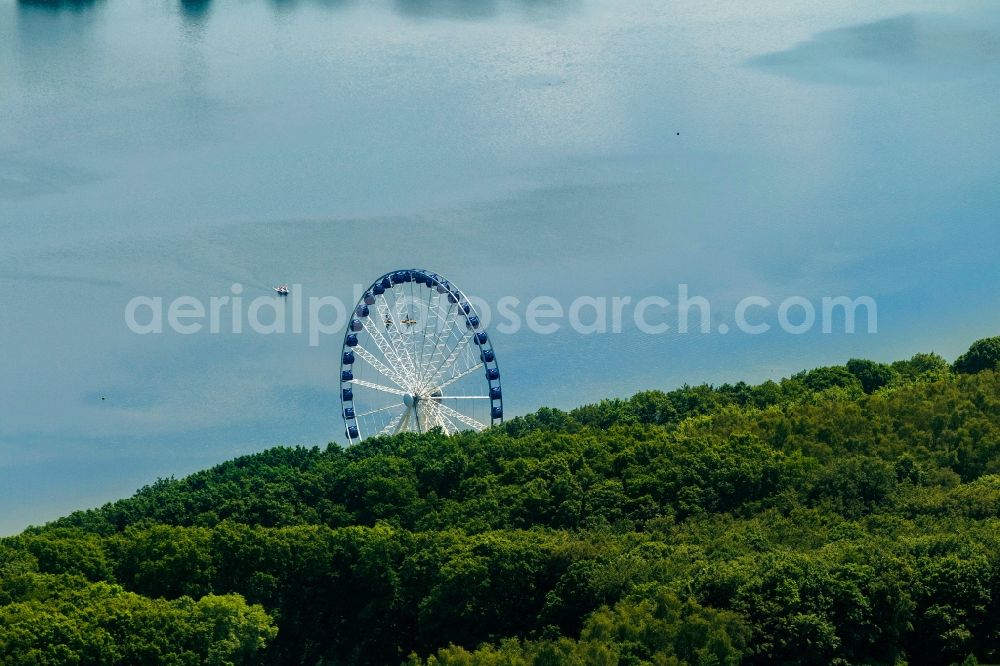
column 447, row 364
column 392, row 424
column 382, row 368
column 380, row 409
column 378, row 387
column 389, row 351
column 442, row 343
column 462, row 397
column 442, row 420
column 404, row 422
column 459, row 416
column 430, row 326
column 460, row 376
column 398, row 344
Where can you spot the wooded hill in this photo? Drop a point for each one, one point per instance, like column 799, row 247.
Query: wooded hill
column 847, row 514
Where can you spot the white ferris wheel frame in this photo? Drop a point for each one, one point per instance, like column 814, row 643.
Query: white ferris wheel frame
column 414, row 367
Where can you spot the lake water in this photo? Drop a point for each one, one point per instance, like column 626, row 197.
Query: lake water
column 521, row 148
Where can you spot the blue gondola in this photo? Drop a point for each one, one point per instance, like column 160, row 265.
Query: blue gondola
column 362, row 311
column 348, row 413
column 378, row 289
column 348, row 358
column 497, row 412
column 351, row 340
column 493, row 374
column 347, row 395
column 482, row 338
column 472, row 322
column 346, row 376
column 357, row 325
column 386, row 283
column 352, row 432
column 495, row 393
column 487, row 355
column 466, row 308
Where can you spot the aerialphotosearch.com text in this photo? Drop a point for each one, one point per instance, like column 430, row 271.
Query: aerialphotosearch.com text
column 318, row 316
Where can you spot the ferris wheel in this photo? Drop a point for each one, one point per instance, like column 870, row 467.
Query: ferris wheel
column 416, row 357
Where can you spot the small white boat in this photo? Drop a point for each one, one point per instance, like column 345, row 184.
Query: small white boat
column 282, row 290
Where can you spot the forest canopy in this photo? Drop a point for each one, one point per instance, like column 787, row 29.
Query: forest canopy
column 847, row 514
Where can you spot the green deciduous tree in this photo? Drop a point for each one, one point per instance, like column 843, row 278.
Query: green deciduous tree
column 982, row 355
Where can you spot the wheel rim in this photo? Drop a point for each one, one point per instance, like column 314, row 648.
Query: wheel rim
column 416, row 356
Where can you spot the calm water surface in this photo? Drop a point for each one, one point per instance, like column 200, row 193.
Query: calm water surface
column 519, row 147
